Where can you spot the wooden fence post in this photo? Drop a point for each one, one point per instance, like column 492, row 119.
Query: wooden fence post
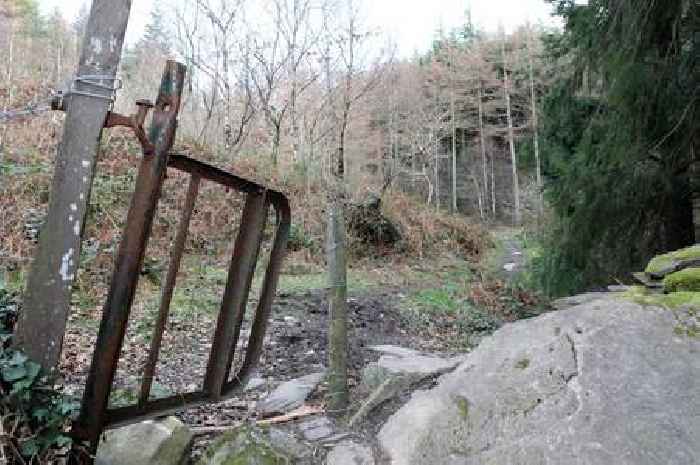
column 46, row 307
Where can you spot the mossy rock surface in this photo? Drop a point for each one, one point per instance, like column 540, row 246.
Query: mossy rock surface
column 687, row 280
column 249, row 445
column 644, row 296
column 661, row 262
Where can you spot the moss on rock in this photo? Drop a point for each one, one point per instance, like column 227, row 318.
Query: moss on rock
column 687, row 280
column 244, row 446
column 643, row 296
column 661, row 262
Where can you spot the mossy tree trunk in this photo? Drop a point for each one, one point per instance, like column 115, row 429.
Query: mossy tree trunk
column 337, row 309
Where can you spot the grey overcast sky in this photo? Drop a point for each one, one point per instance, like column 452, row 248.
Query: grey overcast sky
column 411, row 23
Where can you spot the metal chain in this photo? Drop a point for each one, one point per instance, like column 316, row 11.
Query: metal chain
column 98, row 90
column 33, row 109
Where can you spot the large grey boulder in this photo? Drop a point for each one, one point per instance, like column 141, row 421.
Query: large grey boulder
column 290, row 395
column 606, row 382
column 166, row 442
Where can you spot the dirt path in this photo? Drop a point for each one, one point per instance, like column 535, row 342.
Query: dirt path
column 510, row 259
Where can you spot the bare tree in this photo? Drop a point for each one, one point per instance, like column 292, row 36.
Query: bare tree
column 280, row 50
column 535, row 121
column 210, row 40
column 511, row 136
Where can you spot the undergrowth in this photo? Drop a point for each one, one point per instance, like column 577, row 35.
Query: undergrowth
column 466, row 304
column 34, row 417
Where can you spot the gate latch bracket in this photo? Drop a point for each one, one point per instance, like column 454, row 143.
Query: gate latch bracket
column 135, row 122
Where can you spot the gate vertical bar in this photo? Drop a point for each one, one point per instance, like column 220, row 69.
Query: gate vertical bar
column 131, row 252
column 240, row 277
column 168, row 288
column 267, row 294
column 42, row 324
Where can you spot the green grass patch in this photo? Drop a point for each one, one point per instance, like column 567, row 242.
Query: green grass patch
column 432, row 307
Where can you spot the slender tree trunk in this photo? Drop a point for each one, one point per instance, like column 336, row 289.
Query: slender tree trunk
column 482, row 142
column 10, row 64
column 695, row 184
column 297, row 137
column 511, row 141
column 453, row 122
column 337, row 313
column 276, row 140
column 9, row 77
column 479, row 196
column 464, row 151
column 493, row 184
column 437, row 174
column 535, row 126
column 338, row 395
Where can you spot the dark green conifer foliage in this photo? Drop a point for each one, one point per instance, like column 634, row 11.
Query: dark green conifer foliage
column 620, row 130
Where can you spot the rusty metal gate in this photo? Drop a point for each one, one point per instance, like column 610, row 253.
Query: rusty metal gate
column 95, row 414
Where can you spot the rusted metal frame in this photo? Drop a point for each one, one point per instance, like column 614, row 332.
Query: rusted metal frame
column 115, row 417
column 267, row 295
column 263, row 210
column 168, row 288
column 130, row 256
column 283, row 212
column 190, row 165
column 135, row 122
column 235, row 299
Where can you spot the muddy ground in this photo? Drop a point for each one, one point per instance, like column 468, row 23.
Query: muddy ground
column 295, row 346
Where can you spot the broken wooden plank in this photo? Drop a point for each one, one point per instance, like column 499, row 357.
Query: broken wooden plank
column 301, row 412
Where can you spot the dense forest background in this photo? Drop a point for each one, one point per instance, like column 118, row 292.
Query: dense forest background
column 585, row 135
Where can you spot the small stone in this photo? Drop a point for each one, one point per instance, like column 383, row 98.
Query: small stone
column 317, row 429
column 396, row 370
column 350, row 453
column 165, row 442
column 290, row 395
column 254, row 384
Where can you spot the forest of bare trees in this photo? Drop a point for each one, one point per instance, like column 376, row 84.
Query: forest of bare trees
column 446, row 125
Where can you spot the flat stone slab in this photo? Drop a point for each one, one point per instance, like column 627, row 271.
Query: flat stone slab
column 290, row 395
column 394, row 350
column 350, row 453
column 166, row 442
column 400, row 360
column 317, row 429
column 397, row 369
column 606, row 382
